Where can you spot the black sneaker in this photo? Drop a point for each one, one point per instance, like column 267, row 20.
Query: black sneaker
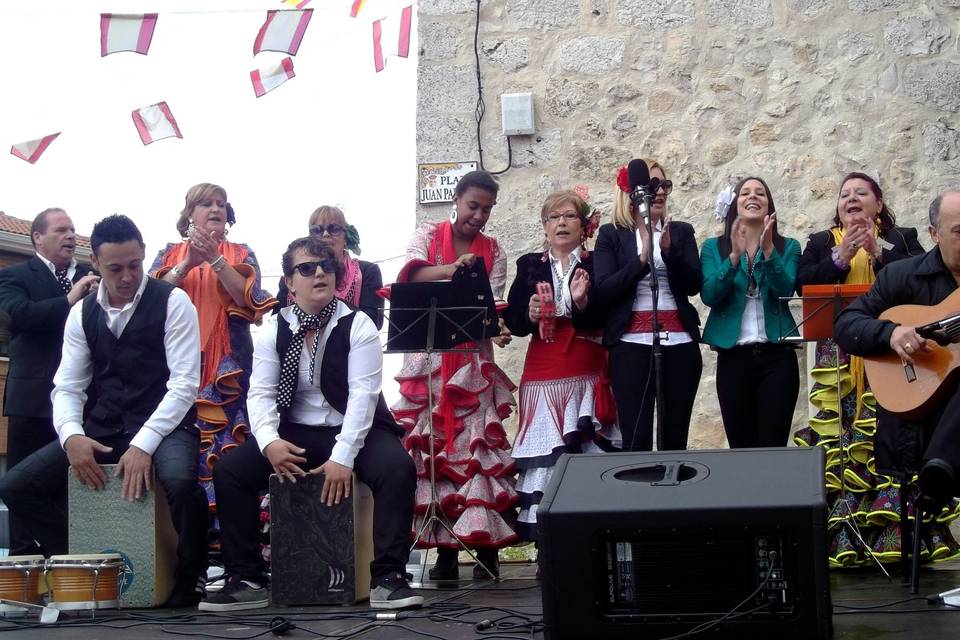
column 236, row 595
column 186, row 594
column 391, row 591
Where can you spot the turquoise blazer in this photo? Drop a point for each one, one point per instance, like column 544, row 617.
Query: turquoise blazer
column 725, row 292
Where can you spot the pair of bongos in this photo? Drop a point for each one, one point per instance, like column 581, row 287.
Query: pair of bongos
column 90, row 581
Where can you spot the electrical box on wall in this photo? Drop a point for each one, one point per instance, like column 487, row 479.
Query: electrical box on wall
column 517, row 113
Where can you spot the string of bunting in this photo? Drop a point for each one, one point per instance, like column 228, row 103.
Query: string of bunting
column 283, row 31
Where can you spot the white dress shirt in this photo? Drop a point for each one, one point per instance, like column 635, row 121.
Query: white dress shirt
column 561, row 283
column 309, row 407
column 182, row 346
column 71, row 270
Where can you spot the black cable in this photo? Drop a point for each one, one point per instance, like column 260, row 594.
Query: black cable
column 879, row 606
column 643, row 402
column 481, row 106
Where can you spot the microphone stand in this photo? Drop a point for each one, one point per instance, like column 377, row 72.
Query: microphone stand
column 645, row 198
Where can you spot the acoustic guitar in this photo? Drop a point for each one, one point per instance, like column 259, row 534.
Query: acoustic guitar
column 912, row 391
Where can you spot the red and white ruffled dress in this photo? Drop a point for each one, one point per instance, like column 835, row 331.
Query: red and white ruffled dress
column 472, row 397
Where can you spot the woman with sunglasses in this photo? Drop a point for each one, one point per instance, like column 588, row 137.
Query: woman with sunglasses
column 622, row 262
column 746, row 274
column 361, row 280
column 471, row 395
column 222, row 279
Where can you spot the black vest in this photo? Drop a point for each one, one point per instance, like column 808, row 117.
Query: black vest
column 333, row 371
column 130, row 372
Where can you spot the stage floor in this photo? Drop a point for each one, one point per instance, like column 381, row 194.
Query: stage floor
column 452, row 613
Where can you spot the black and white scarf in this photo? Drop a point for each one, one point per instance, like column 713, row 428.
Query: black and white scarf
column 290, row 367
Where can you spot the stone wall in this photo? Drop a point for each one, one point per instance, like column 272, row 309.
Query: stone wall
column 797, row 91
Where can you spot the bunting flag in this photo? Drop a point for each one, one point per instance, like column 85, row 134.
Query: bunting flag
column 155, row 123
column 282, row 31
column 32, row 150
column 297, row 4
column 126, row 32
column 355, row 8
column 391, row 37
column 267, row 79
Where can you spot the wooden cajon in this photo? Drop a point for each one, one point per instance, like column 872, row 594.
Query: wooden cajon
column 319, row 554
column 140, row 531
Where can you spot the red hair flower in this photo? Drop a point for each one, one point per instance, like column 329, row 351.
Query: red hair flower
column 593, row 223
column 623, row 181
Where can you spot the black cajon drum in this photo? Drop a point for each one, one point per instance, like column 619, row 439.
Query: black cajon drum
column 319, row 554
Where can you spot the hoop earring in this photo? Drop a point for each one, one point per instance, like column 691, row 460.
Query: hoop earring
column 190, row 228
column 453, row 213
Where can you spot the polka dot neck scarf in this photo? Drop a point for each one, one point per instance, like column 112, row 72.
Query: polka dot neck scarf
column 290, row 366
column 64, row 281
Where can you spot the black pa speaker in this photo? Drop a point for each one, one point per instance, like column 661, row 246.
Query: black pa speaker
column 650, row 545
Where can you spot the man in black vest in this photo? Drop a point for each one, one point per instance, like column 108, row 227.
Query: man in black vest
column 315, row 403
column 37, row 295
column 124, row 394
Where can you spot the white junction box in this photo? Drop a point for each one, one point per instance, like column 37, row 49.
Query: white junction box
column 517, row 113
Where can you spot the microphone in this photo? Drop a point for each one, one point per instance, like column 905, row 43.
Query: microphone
column 638, row 176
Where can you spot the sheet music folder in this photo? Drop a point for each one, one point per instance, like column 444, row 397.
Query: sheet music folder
column 822, row 303
column 465, row 312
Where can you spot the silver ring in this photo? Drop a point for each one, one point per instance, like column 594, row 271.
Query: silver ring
column 908, row 347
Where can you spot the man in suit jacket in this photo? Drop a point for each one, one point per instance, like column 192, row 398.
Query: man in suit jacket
column 37, row 296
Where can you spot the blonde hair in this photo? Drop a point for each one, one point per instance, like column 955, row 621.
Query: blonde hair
column 197, row 194
column 324, row 211
column 622, row 207
column 558, row 198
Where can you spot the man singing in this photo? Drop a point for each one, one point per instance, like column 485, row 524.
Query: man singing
column 123, row 394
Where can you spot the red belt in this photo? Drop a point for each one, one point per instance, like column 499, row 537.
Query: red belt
column 642, row 321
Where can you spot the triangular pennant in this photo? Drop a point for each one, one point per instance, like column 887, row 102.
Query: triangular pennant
column 391, row 37
column 155, row 122
column 126, row 32
column 356, row 6
column 296, row 4
column 32, row 150
column 266, row 79
column 282, row 31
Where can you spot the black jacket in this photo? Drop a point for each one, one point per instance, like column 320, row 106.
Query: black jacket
column 816, row 262
column 370, row 303
column 617, row 271
column 532, row 269
column 37, row 308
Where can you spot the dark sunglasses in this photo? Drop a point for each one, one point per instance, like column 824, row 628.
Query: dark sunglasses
column 333, row 229
column 666, row 186
column 309, row 269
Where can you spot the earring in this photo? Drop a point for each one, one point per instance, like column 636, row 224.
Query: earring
column 453, row 213
column 226, row 230
column 190, row 228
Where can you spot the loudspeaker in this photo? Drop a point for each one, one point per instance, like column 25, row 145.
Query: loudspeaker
column 319, row 554
column 656, row 544
column 140, row 531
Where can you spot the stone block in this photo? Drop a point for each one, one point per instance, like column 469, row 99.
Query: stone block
column 811, row 8
column 625, row 123
column 878, row 5
column 764, row 133
column 445, row 7
column 739, row 13
column 941, row 146
column 445, row 138
column 854, row 45
column 660, row 102
column 544, row 13
column 915, row 35
column 656, row 14
column 593, row 55
column 446, row 89
column 622, row 92
column 539, row 150
column 596, row 162
column 721, row 153
column 934, row 83
column 510, row 54
column 756, row 59
column 564, row 97
column 439, row 41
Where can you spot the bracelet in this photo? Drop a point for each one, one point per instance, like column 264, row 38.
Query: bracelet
column 177, row 274
column 219, row 261
column 838, row 260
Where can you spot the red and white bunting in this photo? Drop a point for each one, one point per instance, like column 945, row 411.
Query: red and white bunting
column 391, row 37
column 266, row 79
column 32, row 150
column 126, row 32
column 155, row 122
column 282, row 31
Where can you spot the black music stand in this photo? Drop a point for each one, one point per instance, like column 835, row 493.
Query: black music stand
column 438, row 317
column 821, row 305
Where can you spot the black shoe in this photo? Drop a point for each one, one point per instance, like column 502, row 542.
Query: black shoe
column 391, row 591
column 186, row 594
column 236, row 595
column 936, row 482
column 489, row 558
column 447, row 566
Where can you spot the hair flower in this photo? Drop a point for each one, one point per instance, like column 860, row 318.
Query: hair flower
column 724, row 199
column 623, row 180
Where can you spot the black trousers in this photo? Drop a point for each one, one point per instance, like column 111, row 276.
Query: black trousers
column 757, row 386
column 37, row 489
column 24, row 436
column 382, row 464
column 630, row 367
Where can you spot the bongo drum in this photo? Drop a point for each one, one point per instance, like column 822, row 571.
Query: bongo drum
column 20, row 581
column 89, row 581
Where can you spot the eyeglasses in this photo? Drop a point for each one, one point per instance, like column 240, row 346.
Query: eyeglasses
column 309, row 269
column 319, row 229
column 569, row 216
column 666, row 186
